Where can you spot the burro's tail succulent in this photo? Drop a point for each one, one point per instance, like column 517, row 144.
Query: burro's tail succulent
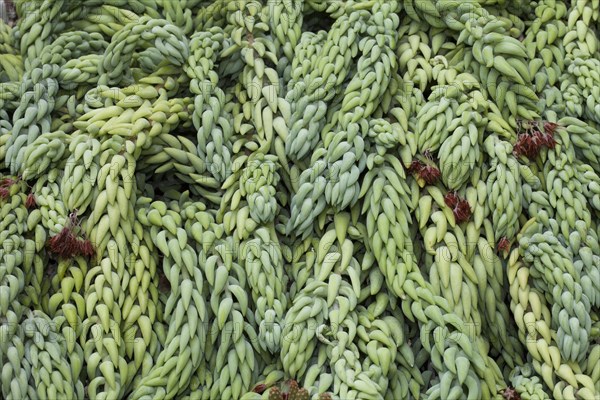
column 300, row 200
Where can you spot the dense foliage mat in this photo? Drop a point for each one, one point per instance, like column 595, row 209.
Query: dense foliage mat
column 242, row 199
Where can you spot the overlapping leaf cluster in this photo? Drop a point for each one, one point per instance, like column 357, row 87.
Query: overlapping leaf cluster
column 264, row 199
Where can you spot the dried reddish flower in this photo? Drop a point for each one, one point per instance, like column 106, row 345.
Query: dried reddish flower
column 4, row 193
column 416, row 166
column 550, row 127
column 260, row 388
column 549, row 141
column 56, row 240
column 72, row 245
column 531, row 142
column 510, row 394
column 65, row 244
column 7, row 182
column 30, row 202
column 460, row 207
column 87, row 249
column 77, row 246
column 429, row 174
column 451, row 199
column 503, row 244
column 462, row 211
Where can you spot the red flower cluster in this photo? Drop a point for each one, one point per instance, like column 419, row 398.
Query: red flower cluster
column 86, row 248
column 460, row 207
column 504, row 244
column 67, row 245
column 510, row 394
column 550, row 127
column 415, row 166
column 530, row 142
column 428, row 173
column 260, row 388
column 5, row 185
column 30, row 202
column 7, row 182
